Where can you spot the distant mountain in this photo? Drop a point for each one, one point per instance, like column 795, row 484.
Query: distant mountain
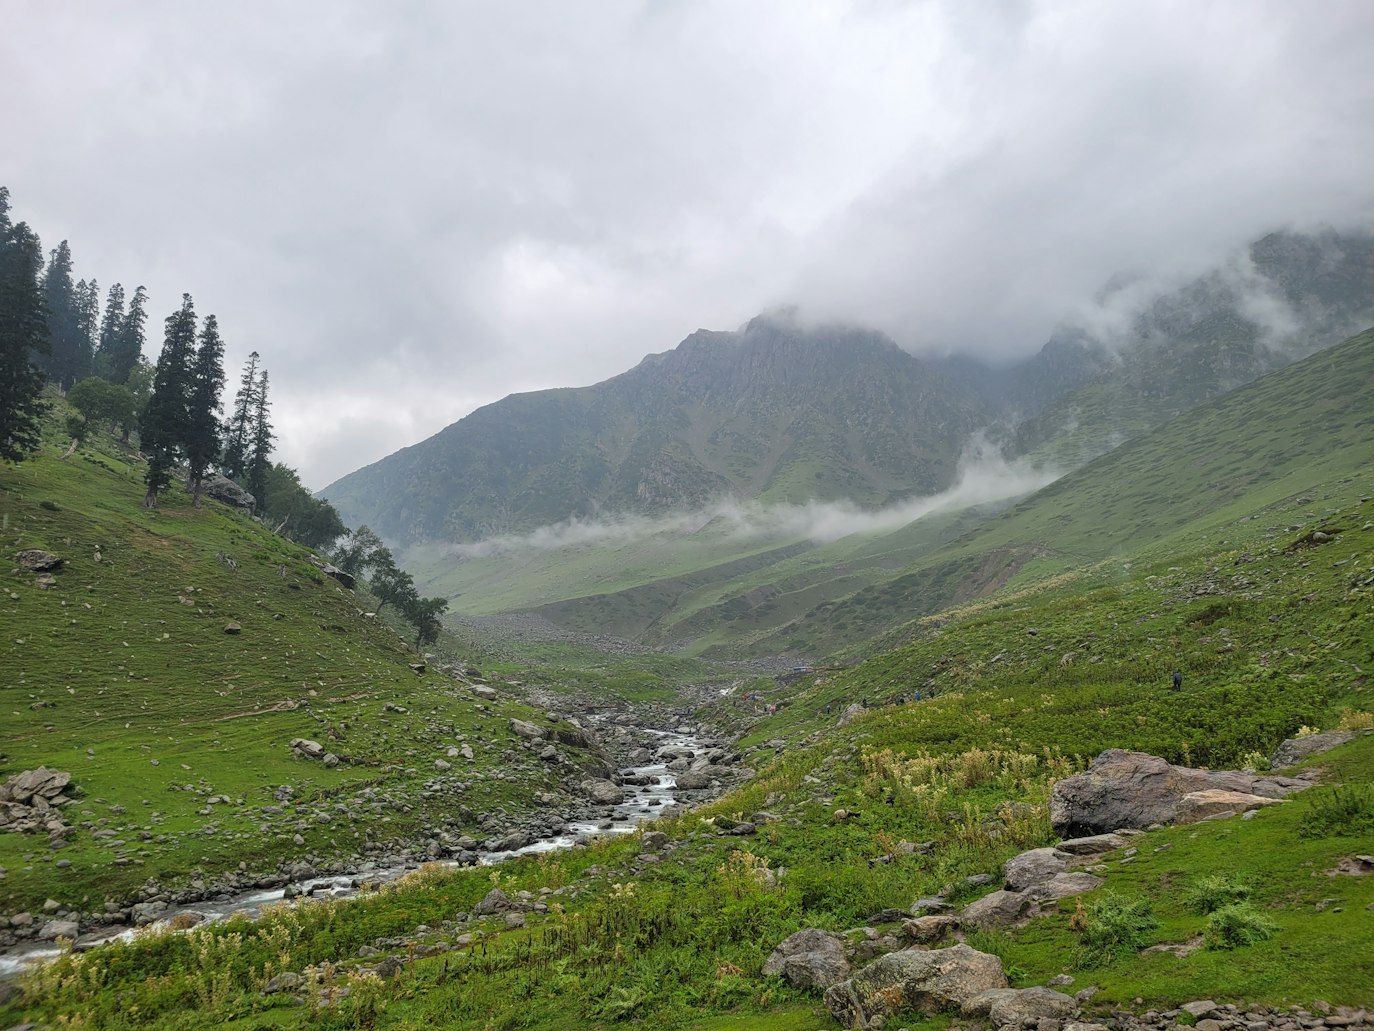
column 776, row 411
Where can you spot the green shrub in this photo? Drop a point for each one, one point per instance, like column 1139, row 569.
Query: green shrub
column 1337, row 811
column 1212, row 893
column 1114, row 927
column 1237, row 925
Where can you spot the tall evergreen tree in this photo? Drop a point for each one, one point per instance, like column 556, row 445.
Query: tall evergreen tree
column 238, row 431
column 207, row 383
column 87, row 297
column 110, row 325
column 69, row 356
column 23, row 333
column 126, row 347
column 165, row 424
column 260, row 456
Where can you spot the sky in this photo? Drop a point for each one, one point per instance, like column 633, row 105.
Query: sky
column 412, row 209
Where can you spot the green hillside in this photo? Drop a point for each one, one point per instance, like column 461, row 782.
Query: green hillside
column 176, row 731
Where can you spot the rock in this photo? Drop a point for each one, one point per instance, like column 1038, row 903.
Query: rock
column 494, row 902
column 42, row 783
column 1296, row 749
column 1000, row 909
column 603, row 792
column 1092, row 845
column 515, row 920
column 482, row 691
column 1018, row 1007
column 929, row 904
column 55, row 929
column 694, row 780
column 144, row 913
column 309, row 749
column 521, row 728
column 1063, row 886
column 38, row 561
column 227, row 492
column 286, row 981
column 809, row 959
column 442, row 764
column 916, row 980
column 1134, row 790
column 653, row 841
column 1202, row 805
column 1200, row 1008
column 1033, row 867
column 927, row 929
column 330, row 760
column 232, row 628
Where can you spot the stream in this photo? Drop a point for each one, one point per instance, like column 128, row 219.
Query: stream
column 642, row 802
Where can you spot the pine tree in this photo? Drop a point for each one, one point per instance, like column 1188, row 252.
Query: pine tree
column 69, row 356
column 110, row 327
column 238, row 436
column 126, row 347
column 165, row 424
column 87, row 298
column 23, row 333
column 207, row 383
column 260, row 455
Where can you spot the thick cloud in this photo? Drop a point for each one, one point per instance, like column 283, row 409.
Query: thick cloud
column 412, row 209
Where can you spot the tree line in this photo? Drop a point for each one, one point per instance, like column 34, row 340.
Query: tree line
column 55, row 335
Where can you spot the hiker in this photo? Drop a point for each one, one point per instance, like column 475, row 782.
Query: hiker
column 827, row 708
column 1178, row 680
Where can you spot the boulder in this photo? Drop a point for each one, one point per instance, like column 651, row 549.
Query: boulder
column 1092, row 845
column 1000, row 909
column 309, row 749
column 653, row 841
column 912, row 979
column 41, row 783
column 55, row 929
column 1202, row 805
column 1296, row 749
column 38, row 561
column 1063, row 886
column 1020, row 1007
column 927, row 929
column 334, row 572
column 1039, row 864
column 603, row 792
column 525, row 729
column 227, row 492
column 694, row 781
column 144, row 913
column 494, row 902
column 809, row 959
column 1134, row 790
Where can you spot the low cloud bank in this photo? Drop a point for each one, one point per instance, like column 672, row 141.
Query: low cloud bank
column 985, row 476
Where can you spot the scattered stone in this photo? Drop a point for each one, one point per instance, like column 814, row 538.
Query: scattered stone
column 918, row 980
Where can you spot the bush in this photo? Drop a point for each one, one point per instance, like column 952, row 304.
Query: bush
column 1337, row 811
column 1115, row 927
column 1237, row 925
column 1212, row 893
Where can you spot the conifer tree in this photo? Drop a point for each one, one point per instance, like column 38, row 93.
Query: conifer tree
column 69, row 356
column 260, row 455
column 87, row 297
column 126, row 347
column 207, row 383
column 23, row 334
column 238, row 431
column 165, row 424
column 110, row 325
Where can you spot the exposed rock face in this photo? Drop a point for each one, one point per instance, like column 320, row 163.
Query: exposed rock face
column 925, row 981
column 809, row 959
column 29, row 802
column 227, row 492
column 1296, row 749
column 1135, row 790
column 37, row 561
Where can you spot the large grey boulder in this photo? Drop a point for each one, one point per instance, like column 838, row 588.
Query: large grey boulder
column 523, row 728
column 38, row 561
column 1092, row 845
column 603, row 792
column 1204, row 805
column 1020, row 1007
column 693, row 781
column 1134, row 790
column 55, row 929
column 1063, row 886
column 1033, row 867
column 227, row 492
column 1296, row 749
column 495, row 901
column 1000, row 909
column 41, row 783
column 914, row 979
column 309, row 749
column 809, row 959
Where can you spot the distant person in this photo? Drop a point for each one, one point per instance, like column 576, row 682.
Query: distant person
column 918, row 696
column 865, row 703
column 1178, row 680
column 827, row 708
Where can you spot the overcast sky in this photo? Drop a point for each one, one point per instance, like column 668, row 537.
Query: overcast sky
column 414, row 208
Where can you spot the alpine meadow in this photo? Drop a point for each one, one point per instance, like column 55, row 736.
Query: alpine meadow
column 412, row 620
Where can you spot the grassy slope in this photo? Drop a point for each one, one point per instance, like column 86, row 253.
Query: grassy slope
column 1272, row 632
column 123, row 674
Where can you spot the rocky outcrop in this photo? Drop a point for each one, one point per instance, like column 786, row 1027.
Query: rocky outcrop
column 914, row 979
column 36, row 560
column 334, row 572
column 809, row 959
column 29, row 802
column 1296, row 749
column 227, row 492
column 1134, row 790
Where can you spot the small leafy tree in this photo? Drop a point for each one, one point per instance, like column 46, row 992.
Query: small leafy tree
column 423, row 614
column 97, row 400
